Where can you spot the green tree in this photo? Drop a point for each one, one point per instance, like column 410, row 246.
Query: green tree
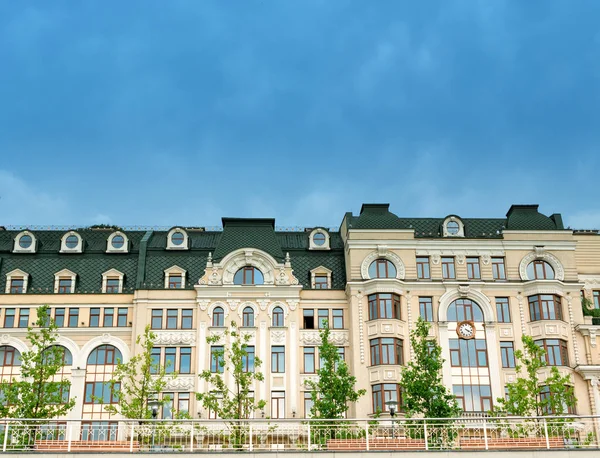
column 39, row 392
column 136, row 381
column 334, row 388
column 524, row 396
column 423, row 391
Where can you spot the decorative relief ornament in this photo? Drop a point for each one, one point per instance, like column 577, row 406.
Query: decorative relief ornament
column 340, row 338
column 174, row 338
column 263, row 303
column 181, row 383
column 293, row 303
column 233, row 303
column 486, row 259
column 249, row 336
column 460, row 259
column 4, row 338
column 464, row 290
column 105, row 338
column 435, row 259
column 218, row 333
column 277, row 336
column 307, row 378
column 215, row 277
column 203, row 303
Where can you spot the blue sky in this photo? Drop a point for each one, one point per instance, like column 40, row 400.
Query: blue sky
column 180, row 112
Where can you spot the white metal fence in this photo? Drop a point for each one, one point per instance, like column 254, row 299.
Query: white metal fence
column 468, row 433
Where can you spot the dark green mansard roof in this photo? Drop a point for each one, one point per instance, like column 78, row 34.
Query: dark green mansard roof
column 519, row 217
column 148, row 257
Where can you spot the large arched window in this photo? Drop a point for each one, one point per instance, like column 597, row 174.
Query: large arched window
column 106, row 355
column 540, row 270
column 218, row 318
column 61, row 353
column 465, row 310
column 382, row 268
column 248, row 276
column 9, row 356
column 278, row 317
column 248, row 317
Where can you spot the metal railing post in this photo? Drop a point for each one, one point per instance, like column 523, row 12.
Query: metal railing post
column 192, row 436
column 250, row 445
column 309, row 438
column 425, row 434
column 546, row 434
column 485, row 436
column 367, row 434
column 5, row 436
column 132, row 436
column 69, row 435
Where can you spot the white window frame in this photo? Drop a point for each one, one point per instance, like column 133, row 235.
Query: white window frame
column 321, row 270
column 65, row 273
column 313, row 246
column 175, row 270
column 32, row 248
column 16, row 274
column 63, row 243
column 454, row 219
column 112, row 273
column 171, row 245
column 123, row 249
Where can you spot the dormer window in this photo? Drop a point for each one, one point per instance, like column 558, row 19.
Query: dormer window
column 319, row 239
column 248, row 276
column 25, row 242
column 64, row 282
column 16, row 282
column 177, row 239
column 117, row 243
column 453, row 227
column 320, row 278
column 112, row 282
column 71, row 243
column 175, row 278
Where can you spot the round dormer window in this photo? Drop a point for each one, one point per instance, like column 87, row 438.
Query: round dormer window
column 25, row 241
column 72, row 241
column 117, row 241
column 177, row 238
column 452, row 227
column 319, row 239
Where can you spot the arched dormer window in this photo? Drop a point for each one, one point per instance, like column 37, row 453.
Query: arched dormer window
column 71, row 242
column 248, row 317
column 25, row 242
column 177, row 239
column 540, row 270
column 453, row 227
column 117, row 243
column 319, row 239
column 105, row 355
column 248, row 275
column 218, row 317
column 465, row 310
column 278, row 317
column 382, row 268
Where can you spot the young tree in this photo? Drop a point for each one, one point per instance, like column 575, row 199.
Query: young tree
column 423, row 391
column 334, row 388
column 524, row 396
column 136, row 381
column 37, row 393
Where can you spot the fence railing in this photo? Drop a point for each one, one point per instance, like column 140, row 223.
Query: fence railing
column 466, row 433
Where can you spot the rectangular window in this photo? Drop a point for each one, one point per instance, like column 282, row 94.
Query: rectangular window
column 157, row 318
column 100, row 393
column 216, row 358
column 94, row 317
column 174, row 281
column 545, row 307
column 64, row 285
column 23, row 318
column 170, row 359
column 308, row 404
column 183, row 403
column 59, row 317
column 337, row 319
column 278, row 359
column 167, row 407
column 17, row 286
column 473, row 398
column 321, row 282
column 109, row 317
column 122, row 317
column 556, row 351
column 502, row 310
column 498, row 270
column 308, row 318
column 277, row 404
column 473, row 271
column 73, row 317
column 309, row 360
column 172, row 315
column 507, row 351
column 9, row 318
column 383, row 305
column 112, row 285
column 187, row 318
column 386, row 351
column 426, row 308
column 155, row 360
column 248, row 359
column 383, row 393
column 468, row 353
column 323, row 318
column 423, row 268
column 448, row 272
column 596, row 296
column 185, row 360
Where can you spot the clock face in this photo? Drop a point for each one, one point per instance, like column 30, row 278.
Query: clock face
column 466, row 330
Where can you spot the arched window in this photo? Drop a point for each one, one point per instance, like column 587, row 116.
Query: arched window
column 382, row 268
column 248, row 276
column 106, row 355
column 278, row 317
column 9, row 356
column 465, row 310
column 58, row 351
column 540, row 270
column 218, row 318
column 248, row 317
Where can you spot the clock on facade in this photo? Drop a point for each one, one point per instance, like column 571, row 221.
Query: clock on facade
column 466, row 329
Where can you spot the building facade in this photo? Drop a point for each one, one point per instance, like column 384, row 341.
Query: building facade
column 482, row 283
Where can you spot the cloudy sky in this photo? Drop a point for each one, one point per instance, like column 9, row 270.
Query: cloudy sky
column 181, row 112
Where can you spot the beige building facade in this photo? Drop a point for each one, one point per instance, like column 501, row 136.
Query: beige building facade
column 482, row 283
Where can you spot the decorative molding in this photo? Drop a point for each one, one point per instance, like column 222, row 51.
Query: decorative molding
column 244, row 305
column 460, row 259
column 436, row 259
column 203, row 304
column 308, row 378
column 489, row 312
column 486, row 259
column 382, row 252
column 179, row 383
column 293, row 303
column 215, row 305
column 219, row 333
column 313, row 337
column 541, row 253
column 463, row 290
column 285, row 308
column 278, row 336
column 177, row 271
column 249, row 257
column 585, row 330
column 250, row 336
column 233, row 303
column 15, row 274
column 263, row 303
column 184, row 244
column 174, row 338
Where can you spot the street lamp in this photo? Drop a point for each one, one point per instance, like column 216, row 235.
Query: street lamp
column 154, row 405
column 391, row 405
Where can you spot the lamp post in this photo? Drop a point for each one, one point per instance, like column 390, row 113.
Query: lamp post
column 154, row 405
column 391, row 405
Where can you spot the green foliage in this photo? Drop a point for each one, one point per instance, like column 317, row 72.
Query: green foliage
column 588, row 308
column 523, row 396
column 334, row 388
column 38, row 392
column 137, row 380
column 233, row 403
column 423, row 391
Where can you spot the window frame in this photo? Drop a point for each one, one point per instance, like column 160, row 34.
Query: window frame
column 385, row 264
column 278, row 359
column 473, row 268
column 552, row 350
column 498, row 268
column 426, row 308
column 423, row 268
column 278, row 317
column 386, row 351
column 377, row 300
column 503, row 314
column 448, row 268
column 539, row 309
column 507, row 354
